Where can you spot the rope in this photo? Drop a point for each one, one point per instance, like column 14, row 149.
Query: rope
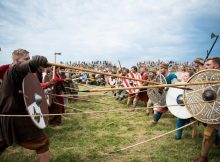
column 92, row 112
column 140, row 143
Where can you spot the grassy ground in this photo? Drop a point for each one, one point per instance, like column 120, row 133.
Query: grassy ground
column 93, row 137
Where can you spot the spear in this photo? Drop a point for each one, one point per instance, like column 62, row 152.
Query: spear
column 209, row 51
column 153, row 86
column 98, row 72
column 119, row 64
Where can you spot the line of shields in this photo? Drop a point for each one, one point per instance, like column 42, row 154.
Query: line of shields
column 199, row 97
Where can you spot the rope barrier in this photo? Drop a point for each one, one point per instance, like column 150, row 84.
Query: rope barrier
column 93, row 112
column 162, row 135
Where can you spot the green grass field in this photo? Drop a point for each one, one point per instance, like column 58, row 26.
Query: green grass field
column 95, row 137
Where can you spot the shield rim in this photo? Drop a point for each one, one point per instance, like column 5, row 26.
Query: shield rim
column 184, row 96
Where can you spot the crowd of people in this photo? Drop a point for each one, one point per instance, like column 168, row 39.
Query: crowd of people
column 58, row 81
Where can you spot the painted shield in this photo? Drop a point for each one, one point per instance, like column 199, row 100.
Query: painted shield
column 132, row 83
column 0, row 82
column 174, row 101
column 128, row 84
column 48, row 97
column 158, row 95
column 35, row 100
column 112, row 81
column 47, row 78
column 203, row 101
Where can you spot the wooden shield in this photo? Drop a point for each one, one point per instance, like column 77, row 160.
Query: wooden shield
column 203, row 101
column 111, row 81
column 35, row 100
column 158, row 95
column 48, row 97
column 129, row 83
column 175, row 104
column 47, row 78
column 0, row 82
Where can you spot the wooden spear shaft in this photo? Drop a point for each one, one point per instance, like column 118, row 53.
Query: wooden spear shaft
column 98, row 72
column 152, row 86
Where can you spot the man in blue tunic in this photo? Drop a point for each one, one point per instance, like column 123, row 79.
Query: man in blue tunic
column 170, row 79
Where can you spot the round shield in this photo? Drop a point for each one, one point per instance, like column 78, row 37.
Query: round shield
column 203, row 101
column 0, row 82
column 75, row 87
column 174, row 100
column 48, row 97
column 35, row 100
column 112, row 81
column 127, row 83
column 158, row 95
column 47, row 78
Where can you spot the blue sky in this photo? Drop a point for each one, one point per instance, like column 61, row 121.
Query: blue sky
column 125, row 30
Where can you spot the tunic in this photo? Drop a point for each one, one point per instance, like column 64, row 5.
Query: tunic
column 15, row 129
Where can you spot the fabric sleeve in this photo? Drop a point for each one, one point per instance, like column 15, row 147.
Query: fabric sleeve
column 43, row 85
column 56, row 78
column 3, row 69
column 174, row 79
column 20, row 70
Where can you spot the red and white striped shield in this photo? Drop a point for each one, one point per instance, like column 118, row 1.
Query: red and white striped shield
column 132, row 83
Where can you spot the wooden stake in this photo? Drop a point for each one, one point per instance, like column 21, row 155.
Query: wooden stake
column 98, row 72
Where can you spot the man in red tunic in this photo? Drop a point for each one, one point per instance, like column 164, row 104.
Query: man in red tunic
column 57, row 106
column 132, row 96
column 142, row 95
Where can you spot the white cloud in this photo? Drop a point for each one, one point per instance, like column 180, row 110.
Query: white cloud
column 128, row 30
